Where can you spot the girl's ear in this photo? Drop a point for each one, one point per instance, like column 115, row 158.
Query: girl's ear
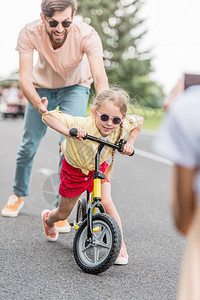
column 42, row 17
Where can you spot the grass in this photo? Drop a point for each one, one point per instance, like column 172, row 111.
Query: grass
column 152, row 116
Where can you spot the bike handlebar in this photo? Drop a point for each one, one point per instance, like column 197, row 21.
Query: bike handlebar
column 73, row 132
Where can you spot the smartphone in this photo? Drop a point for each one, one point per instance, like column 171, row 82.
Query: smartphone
column 191, row 79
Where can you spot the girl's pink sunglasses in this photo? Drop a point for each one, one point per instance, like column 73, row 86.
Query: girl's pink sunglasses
column 104, row 118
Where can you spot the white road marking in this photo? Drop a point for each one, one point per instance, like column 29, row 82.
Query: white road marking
column 149, row 154
column 152, row 156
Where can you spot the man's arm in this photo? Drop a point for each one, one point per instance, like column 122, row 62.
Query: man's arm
column 183, row 197
column 25, row 80
column 98, row 74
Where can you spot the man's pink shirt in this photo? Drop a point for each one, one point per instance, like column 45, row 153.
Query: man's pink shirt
column 67, row 65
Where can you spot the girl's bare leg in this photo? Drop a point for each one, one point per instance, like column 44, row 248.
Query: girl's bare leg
column 63, row 211
column 109, row 205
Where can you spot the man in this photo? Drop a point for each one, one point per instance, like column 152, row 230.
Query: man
column 179, row 141
column 70, row 58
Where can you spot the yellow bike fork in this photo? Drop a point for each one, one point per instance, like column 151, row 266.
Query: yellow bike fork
column 96, row 191
column 96, row 194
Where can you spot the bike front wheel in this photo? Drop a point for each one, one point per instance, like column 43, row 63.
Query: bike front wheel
column 100, row 254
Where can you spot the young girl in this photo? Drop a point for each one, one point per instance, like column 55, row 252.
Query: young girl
column 108, row 121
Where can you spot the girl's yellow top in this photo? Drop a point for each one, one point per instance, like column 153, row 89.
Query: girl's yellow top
column 81, row 154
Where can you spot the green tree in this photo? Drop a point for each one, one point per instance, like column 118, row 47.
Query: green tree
column 120, row 29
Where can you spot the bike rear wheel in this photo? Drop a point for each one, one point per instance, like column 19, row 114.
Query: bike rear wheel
column 100, row 255
column 81, row 212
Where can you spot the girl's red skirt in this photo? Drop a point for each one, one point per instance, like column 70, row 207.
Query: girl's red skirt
column 73, row 182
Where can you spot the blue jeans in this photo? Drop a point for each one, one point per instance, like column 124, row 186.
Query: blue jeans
column 72, row 100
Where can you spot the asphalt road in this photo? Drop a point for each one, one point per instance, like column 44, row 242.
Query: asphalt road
column 32, row 268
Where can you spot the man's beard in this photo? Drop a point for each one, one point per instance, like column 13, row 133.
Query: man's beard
column 57, row 41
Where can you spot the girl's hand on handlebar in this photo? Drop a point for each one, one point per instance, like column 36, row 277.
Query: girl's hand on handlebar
column 81, row 133
column 128, row 149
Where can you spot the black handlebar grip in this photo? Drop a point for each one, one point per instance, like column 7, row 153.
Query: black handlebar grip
column 122, row 142
column 73, row 132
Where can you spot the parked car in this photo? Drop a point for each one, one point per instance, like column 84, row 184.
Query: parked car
column 12, row 102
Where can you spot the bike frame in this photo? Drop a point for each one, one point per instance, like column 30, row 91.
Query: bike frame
column 98, row 176
column 96, row 194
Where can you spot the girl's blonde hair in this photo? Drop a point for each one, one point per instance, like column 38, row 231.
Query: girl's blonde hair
column 118, row 96
column 120, row 99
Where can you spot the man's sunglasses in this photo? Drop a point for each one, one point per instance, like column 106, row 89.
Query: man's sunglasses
column 54, row 23
column 104, row 118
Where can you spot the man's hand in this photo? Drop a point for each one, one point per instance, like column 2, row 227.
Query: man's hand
column 42, row 106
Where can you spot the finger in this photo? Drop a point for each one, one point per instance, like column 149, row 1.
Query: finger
column 43, row 99
column 83, row 133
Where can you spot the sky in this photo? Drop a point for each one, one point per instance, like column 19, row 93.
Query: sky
column 173, row 37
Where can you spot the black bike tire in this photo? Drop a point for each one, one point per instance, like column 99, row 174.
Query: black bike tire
column 113, row 253
column 81, row 210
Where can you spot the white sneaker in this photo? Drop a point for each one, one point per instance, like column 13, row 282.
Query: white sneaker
column 63, row 226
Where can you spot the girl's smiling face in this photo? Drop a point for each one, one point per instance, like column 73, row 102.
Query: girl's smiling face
column 107, row 127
